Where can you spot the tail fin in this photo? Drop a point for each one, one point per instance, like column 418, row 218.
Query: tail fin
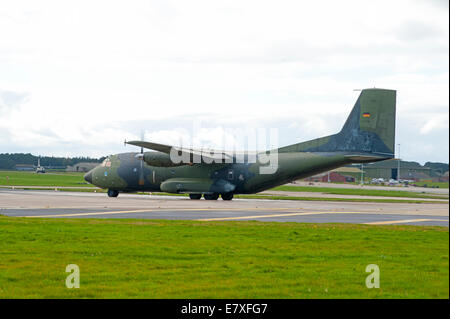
column 369, row 129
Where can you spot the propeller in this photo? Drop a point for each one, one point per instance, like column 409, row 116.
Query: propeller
column 141, row 157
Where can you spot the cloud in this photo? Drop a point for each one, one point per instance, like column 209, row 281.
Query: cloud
column 436, row 123
column 100, row 72
column 10, row 100
column 439, row 3
column 418, row 31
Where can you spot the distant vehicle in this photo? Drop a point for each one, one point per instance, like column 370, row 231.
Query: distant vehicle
column 406, row 182
column 393, row 182
column 377, row 181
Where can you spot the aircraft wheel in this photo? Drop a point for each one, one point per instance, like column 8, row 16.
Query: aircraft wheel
column 227, row 196
column 211, row 196
column 195, row 196
column 113, row 193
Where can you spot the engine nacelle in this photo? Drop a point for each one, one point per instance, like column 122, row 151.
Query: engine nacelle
column 159, row 159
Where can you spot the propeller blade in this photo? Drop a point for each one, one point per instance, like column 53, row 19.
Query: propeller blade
column 141, row 173
column 142, row 138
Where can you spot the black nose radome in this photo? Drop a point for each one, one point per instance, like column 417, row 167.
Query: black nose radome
column 88, row 177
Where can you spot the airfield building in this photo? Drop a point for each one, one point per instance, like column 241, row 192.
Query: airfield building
column 338, row 175
column 389, row 170
column 81, row 167
column 24, row 167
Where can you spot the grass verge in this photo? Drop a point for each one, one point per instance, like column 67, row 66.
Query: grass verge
column 335, row 199
column 17, row 178
column 358, row 192
column 432, row 184
column 191, row 259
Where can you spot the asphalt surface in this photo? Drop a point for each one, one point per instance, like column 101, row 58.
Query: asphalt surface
column 55, row 204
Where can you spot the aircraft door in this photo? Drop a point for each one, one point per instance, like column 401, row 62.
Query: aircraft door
column 394, row 173
column 157, row 175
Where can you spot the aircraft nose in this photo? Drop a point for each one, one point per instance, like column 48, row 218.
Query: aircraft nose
column 88, row 177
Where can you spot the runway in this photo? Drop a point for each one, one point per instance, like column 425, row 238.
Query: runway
column 51, row 204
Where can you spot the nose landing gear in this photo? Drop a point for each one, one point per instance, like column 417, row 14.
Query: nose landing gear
column 213, row 196
column 113, row 193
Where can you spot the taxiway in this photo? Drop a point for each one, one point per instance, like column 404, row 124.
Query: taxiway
column 51, row 204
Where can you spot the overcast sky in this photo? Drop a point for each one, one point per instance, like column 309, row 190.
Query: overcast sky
column 77, row 78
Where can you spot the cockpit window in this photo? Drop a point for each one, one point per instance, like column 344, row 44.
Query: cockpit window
column 106, row 162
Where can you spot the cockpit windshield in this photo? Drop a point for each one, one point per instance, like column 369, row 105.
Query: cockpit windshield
column 106, row 162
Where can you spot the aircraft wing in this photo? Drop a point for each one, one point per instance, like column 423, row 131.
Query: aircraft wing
column 207, row 156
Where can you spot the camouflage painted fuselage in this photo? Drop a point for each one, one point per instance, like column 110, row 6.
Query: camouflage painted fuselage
column 124, row 174
column 368, row 135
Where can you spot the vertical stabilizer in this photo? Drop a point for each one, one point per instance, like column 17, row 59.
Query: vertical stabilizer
column 370, row 128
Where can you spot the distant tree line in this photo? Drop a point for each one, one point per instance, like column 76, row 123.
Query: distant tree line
column 439, row 167
column 8, row 161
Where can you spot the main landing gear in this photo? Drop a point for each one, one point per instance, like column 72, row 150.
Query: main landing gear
column 113, row 193
column 227, row 196
column 214, row 196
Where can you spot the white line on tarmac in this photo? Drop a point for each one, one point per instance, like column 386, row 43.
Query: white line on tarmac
column 235, row 218
column 165, row 209
column 89, row 214
column 277, row 215
column 388, row 222
column 192, row 210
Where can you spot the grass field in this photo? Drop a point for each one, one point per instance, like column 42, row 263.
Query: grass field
column 356, row 191
column 335, row 199
column 433, row 184
column 191, row 259
column 16, row 178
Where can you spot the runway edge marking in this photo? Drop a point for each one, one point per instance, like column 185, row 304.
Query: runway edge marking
column 150, row 210
column 387, row 222
column 274, row 215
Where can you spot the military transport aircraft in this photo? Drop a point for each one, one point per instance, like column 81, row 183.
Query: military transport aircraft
column 368, row 135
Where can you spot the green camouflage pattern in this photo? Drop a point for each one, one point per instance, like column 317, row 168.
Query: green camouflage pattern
column 368, row 135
